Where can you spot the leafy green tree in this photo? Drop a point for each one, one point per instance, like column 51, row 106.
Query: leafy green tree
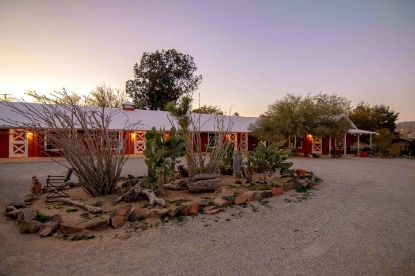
column 363, row 117
column 208, row 109
column 286, row 116
column 374, row 118
column 105, row 96
column 296, row 116
column 162, row 77
column 382, row 142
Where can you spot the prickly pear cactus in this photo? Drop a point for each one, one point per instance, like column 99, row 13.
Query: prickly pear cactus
column 161, row 152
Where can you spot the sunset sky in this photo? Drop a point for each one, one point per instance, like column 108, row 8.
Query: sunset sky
column 250, row 53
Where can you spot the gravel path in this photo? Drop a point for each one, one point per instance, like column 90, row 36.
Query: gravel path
column 361, row 221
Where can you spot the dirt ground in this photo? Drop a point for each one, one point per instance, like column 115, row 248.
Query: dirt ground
column 361, row 221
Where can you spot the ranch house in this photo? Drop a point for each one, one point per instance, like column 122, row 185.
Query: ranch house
column 24, row 143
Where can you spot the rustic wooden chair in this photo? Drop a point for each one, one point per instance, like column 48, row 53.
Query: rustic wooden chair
column 55, row 185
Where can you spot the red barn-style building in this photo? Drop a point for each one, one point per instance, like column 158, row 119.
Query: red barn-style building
column 344, row 144
column 23, row 143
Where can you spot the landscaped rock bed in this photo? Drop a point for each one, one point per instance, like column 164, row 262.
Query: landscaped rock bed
column 81, row 217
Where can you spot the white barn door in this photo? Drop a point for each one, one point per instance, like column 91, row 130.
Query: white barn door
column 243, row 144
column 17, row 143
column 140, row 142
column 233, row 139
column 317, row 145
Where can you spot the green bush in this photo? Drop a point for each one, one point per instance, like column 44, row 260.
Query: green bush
column 269, row 158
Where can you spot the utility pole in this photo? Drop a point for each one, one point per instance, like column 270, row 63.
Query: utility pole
column 5, row 96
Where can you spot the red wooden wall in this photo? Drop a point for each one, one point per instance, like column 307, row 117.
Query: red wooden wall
column 4, row 143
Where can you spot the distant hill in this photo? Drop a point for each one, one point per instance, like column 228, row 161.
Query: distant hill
column 406, row 129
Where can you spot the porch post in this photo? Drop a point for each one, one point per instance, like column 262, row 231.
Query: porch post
column 26, row 145
column 295, row 141
column 329, row 146
column 358, row 143
column 344, row 144
column 370, row 141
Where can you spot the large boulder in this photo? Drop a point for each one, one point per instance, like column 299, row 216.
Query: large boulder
column 175, row 210
column 220, row 201
column 27, row 214
column 11, row 212
column 204, row 202
column 119, row 215
column 28, row 198
column 191, row 209
column 17, row 203
column 138, row 214
column 291, row 185
column 210, row 210
column 67, row 228
column 29, row 226
column 266, row 194
column 301, row 172
column 36, row 188
column 48, row 228
column 276, row 191
column 56, row 219
column 10, row 208
column 98, row 224
column 226, row 194
column 247, row 196
column 153, row 217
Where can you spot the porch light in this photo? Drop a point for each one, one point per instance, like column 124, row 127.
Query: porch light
column 133, row 135
column 29, row 135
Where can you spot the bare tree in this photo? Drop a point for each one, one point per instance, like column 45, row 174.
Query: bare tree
column 72, row 97
column 105, row 96
column 82, row 134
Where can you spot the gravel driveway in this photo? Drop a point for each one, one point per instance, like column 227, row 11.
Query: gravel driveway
column 360, row 221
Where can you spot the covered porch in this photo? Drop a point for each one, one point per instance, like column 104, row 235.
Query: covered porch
column 354, row 142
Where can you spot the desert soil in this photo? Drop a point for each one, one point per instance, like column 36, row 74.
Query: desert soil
column 360, row 221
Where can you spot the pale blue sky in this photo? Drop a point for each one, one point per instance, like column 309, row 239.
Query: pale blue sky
column 250, row 53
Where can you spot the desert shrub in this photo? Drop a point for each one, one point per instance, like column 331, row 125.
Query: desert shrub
column 269, row 158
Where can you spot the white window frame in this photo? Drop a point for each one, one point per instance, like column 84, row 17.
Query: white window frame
column 211, row 134
column 45, row 145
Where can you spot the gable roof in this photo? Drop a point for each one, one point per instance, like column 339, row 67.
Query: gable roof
column 145, row 118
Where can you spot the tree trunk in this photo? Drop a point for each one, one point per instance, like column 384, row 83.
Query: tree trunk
column 203, row 176
column 205, row 185
column 89, row 208
column 136, row 193
column 237, row 164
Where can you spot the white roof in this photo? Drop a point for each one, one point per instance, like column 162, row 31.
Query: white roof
column 360, row 131
column 145, row 118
